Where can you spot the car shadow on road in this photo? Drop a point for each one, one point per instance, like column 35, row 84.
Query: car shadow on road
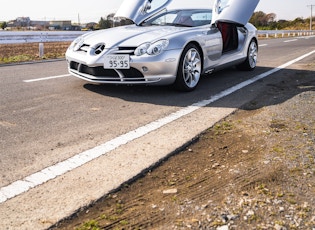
column 295, row 80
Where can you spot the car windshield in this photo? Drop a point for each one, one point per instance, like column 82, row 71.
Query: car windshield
column 185, row 18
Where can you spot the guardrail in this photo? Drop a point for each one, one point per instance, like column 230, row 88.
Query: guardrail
column 284, row 33
column 12, row 37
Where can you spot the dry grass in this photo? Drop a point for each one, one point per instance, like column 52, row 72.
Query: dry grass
column 11, row 53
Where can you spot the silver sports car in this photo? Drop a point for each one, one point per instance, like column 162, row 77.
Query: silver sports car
column 167, row 46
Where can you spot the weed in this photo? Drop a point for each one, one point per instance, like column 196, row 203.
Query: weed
column 123, row 222
column 252, row 218
column 119, row 208
column 174, row 198
column 293, row 227
column 171, row 182
column 291, row 200
column 280, row 194
column 216, row 223
column 103, row 217
column 112, row 218
column 17, row 58
column 222, row 128
column 278, row 149
column 279, row 222
column 295, row 170
column 89, row 225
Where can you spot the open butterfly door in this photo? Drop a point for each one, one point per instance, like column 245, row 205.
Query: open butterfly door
column 233, row 11
column 139, row 10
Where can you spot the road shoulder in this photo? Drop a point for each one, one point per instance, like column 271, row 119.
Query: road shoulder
column 255, row 168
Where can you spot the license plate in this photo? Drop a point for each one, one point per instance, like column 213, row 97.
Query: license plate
column 116, row 62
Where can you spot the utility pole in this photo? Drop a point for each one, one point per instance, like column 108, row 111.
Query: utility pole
column 311, row 19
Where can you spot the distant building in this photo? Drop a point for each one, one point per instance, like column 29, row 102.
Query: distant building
column 20, row 22
column 60, row 25
column 23, row 21
column 26, row 23
column 39, row 25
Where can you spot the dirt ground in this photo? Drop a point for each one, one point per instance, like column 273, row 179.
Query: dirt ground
column 11, row 53
column 253, row 170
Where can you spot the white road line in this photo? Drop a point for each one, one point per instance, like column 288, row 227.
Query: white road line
column 46, row 78
column 36, row 179
column 261, row 45
column 292, row 40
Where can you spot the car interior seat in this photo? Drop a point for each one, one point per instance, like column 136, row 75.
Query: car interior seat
column 229, row 36
column 186, row 20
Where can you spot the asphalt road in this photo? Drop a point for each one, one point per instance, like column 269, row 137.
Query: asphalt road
column 48, row 117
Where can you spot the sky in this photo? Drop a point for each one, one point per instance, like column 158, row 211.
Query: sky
column 92, row 10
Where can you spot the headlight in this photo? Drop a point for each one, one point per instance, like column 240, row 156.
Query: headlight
column 157, row 47
column 152, row 48
column 142, row 49
column 76, row 44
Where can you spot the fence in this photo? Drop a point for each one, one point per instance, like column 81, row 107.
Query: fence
column 14, row 37
column 284, row 33
column 11, row 37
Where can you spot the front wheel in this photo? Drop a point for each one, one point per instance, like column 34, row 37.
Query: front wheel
column 189, row 69
column 251, row 60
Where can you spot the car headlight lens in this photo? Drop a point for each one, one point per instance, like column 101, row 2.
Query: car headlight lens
column 157, row 47
column 76, row 44
column 142, row 49
column 152, row 48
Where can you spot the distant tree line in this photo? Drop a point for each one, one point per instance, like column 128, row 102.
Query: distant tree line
column 267, row 22
column 259, row 19
column 108, row 22
column 3, row 25
column 111, row 21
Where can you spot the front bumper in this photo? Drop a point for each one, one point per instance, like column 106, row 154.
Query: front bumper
column 160, row 69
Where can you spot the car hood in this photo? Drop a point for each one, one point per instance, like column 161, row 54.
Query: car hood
column 129, row 36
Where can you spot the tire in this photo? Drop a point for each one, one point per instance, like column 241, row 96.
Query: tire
column 251, row 60
column 189, row 69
